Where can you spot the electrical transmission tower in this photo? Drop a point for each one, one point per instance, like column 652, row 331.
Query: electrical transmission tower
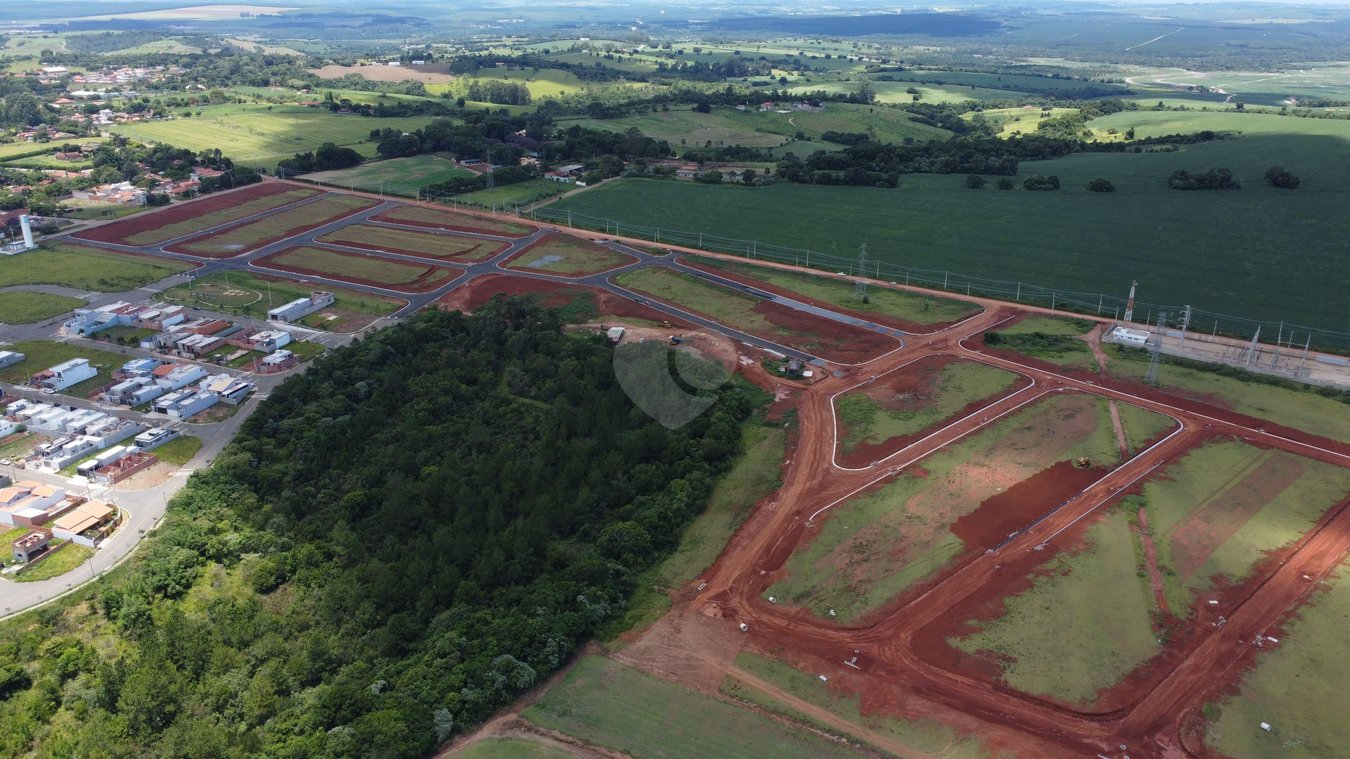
column 1129, row 304
column 1155, row 349
column 860, row 286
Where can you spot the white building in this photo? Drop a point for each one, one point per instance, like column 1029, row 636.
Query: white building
column 1126, row 336
column 66, row 373
column 301, row 307
column 10, row 358
column 154, row 438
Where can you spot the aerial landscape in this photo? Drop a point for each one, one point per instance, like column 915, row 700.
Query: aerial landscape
column 651, row 381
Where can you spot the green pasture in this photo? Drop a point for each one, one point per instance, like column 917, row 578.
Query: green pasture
column 60, row 263
column 511, row 748
column 568, row 256
column 21, row 307
column 1048, row 338
column 508, row 196
column 1063, row 637
column 683, row 127
column 1142, row 425
column 881, row 123
column 1011, row 122
column 624, row 710
column 395, row 176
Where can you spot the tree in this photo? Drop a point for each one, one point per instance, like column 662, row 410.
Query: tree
column 1005, row 184
column 1277, row 176
column 748, row 176
column 703, row 107
column 1100, row 185
column 975, row 182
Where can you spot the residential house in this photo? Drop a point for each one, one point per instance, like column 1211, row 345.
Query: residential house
column 186, row 403
column 65, row 374
column 32, row 546
column 10, row 358
column 228, row 388
column 301, row 307
column 86, row 524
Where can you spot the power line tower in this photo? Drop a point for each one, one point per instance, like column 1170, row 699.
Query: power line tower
column 860, row 285
column 1155, row 350
column 1129, row 305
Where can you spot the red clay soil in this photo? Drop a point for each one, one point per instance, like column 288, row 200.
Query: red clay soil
column 917, row 381
column 282, row 235
column 558, row 238
column 829, row 339
column 450, row 225
column 495, row 248
column 421, row 284
column 1151, row 559
column 1003, row 514
column 872, row 316
column 550, row 294
column 118, row 231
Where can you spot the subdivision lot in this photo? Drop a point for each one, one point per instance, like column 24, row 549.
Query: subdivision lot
column 39, row 355
column 452, row 221
column 194, row 216
column 360, row 269
column 28, row 307
column 824, row 337
column 252, row 294
column 1056, row 340
column 873, row 549
column 242, row 239
column 579, row 303
column 414, row 243
column 881, row 417
column 60, row 263
column 568, row 256
column 400, row 176
column 621, row 709
column 905, row 310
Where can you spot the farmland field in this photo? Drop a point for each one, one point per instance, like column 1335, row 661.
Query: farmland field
column 182, row 219
column 508, row 196
column 238, row 240
column 569, row 256
column 58, row 263
column 252, row 294
column 18, row 307
column 414, row 243
column 624, row 710
column 964, row 498
column 360, row 269
column 452, row 221
column 686, row 127
column 396, row 176
column 886, row 124
column 512, row 748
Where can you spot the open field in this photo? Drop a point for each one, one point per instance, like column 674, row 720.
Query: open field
column 1224, row 507
column 688, row 128
column 875, row 547
column 399, row 176
column 29, row 307
column 1298, row 686
column 452, row 221
column 883, row 124
column 411, row 242
column 182, row 219
column 360, row 269
column 905, row 310
column 252, row 294
column 1236, row 262
column 1017, row 121
column 65, row 560
column 381, row 73
column 568, row 256
column 830, row 339
column 512, row 748
column 41, row 354
column 239, row 240
column 1048, row 338
column 578, row 303
column 911, row 400
column 261, row 135
column 506, row 197
column 622, row 709
column 179, row 451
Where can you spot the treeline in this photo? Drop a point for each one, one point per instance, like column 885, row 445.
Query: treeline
column 398, row 543
column 1214, row 179
column 326, row 157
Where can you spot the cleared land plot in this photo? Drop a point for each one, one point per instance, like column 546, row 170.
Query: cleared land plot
column 578, row 303
column 395, row 174
column 452, row 221
column 59, row 263
column 568, row 256
column 360, row 269
column 876, row 419
column 898, row 308
column 1219, row 511
column 414, row 243
column 622, row 709
column 186, row 218
column 279, row 226
column 1298, row 686
column 39, row 355
column 381, row 73
column 29, row 307
column 1048, row 338
column 252, row 294
column 875, row 547
column 1142, row 427
column 830, row 339
column 65, row 560
column 1060, row 635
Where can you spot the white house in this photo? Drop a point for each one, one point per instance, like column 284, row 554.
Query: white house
column 1126, row 336
column 66, row 373
column 301, row 307
column 10, row 358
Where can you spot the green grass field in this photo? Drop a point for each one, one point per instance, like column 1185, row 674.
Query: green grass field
column 60, row 263
column 867, row 420
column 512, row 748
column 416, row 243
column 63, row 561
column 1014, row 121
column 179, row 451
column 154, row 235
column 1297, row 686
column 396, row 176
column 1142, row 426
column 29, row 307
column 261, row 135
column 569, row 256
column 908, row 519
column 1048, row 338
column 453, row 221
column 508, row 196
column 622, row 709
column 684, row 127
column 1223, row 507
column 238, row 240
column 882, row 124
column 359, row 268
column 41, row 354
column 906, row 306
column 1066, row 639
column 252, row 294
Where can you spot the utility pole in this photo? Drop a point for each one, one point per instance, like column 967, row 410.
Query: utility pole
column 1185, row 322
column 1155, row 349
column 860, row 286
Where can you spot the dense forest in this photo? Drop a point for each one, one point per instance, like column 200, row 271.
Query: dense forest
column 399, row 542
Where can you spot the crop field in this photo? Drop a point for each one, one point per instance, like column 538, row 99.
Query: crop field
column 906, row 310
column 875, row 547
column 252, row 294
column 1048, row 338
column 395, row 176
column 1260, row 87
column 833, row 340
column 911, row 400
column 689, row 128
column 182, row 219
column 242, row 239
column 885, row 124
column 261, row 135
column 624, row 710
column 59, row 263
column 27, row 307
column 569, row 256
column 360, row 269
column 508, row 196
column 898, row 92
column 451, row 221
column 41, row 354
column 1224, row 507
column 1298, row 686
column 414, row 243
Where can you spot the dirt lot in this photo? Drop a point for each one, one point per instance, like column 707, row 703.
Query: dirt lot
column 552, row 295
column 201, row 208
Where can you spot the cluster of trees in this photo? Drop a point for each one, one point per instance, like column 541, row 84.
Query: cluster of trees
column 399, row 542
column 502, row 176
column 498, row 91
column 1038, row 182
column 1214, row 179
column 324, row 158
column 1278, row 176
